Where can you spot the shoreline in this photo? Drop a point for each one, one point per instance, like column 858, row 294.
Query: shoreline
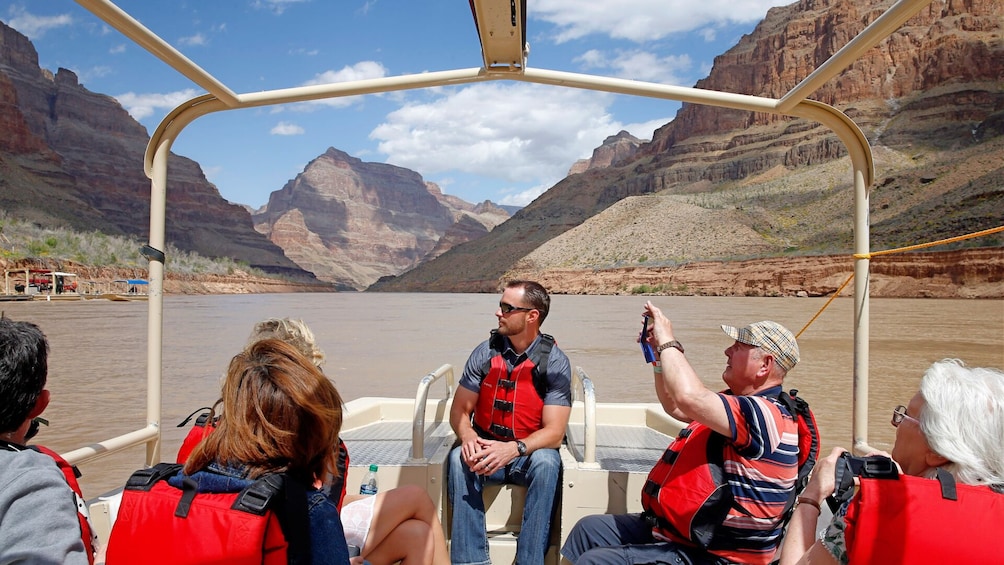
column 970, row 273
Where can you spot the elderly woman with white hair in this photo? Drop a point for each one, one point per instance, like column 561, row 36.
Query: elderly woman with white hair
column 952, row 428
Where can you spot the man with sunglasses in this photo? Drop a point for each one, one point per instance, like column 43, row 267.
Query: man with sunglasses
column 39, row 522
column 509, row 413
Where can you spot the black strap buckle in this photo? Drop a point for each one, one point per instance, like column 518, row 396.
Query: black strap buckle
column 256, row 498
column 502, row 431
column 503, row 405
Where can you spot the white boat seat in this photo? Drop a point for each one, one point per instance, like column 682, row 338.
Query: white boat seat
column 612, row 451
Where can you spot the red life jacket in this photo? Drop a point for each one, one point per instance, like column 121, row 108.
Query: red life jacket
column 686, row 497
column 908, row 519
column 71, row 474
column 195, row 435
column 511, row 405
column 158, row 523
column 201, row 430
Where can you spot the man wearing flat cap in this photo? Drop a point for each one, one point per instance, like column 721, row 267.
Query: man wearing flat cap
column 720, row 491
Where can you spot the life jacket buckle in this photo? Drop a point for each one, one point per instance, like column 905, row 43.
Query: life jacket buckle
column 503, row 405
column 502, row 431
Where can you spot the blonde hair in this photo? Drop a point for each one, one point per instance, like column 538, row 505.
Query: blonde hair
column 293, row 332
column 280, row 415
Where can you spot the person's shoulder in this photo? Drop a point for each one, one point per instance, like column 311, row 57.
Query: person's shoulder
column 29, row 466
column 480, row 353
column 26, row 459
column 557, row 355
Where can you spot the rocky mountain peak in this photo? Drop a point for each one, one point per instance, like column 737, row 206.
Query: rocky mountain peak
column 74, row 158
column 16, row 51
column 614, row 149
column 351, row 222
column 66, row 78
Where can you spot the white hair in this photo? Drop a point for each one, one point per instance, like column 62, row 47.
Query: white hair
column 963, row 419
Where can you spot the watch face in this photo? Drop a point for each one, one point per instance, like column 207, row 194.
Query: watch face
column 521, row 447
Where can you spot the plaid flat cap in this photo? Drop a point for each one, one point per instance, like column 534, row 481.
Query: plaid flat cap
column 772, row 337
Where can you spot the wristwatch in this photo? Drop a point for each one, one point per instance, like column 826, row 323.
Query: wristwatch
column 521, row 447
column 662, row 347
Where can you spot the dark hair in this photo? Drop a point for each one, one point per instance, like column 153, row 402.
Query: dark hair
column 535, row 295
column 24, row 354
column 280, row 414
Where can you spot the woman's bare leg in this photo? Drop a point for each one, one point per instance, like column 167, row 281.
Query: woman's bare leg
column 394, row 507
column 409, row 543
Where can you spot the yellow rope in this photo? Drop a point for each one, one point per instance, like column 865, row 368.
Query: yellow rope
column 832, row 298
column 889, row 252
column 930, row 244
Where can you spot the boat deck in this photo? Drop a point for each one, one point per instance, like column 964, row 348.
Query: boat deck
column 625, row 448
column 388, row 443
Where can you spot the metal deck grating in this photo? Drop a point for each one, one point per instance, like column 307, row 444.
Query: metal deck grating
column 389, row 443
column 611, row 451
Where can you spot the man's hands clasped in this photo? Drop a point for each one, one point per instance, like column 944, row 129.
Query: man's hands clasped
column 486, row 456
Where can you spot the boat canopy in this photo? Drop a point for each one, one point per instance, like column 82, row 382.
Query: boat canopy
column 132, row 281
column 501, row 26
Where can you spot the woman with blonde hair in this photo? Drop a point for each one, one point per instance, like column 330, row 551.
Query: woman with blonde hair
column 399, row 524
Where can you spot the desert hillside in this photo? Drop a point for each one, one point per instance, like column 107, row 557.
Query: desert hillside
column 725, row 185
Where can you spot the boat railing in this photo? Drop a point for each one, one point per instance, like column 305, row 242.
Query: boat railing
column 582, row 390
column 421, row 401
column 149, row 435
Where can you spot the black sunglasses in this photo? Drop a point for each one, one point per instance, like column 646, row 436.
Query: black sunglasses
column 506, row 308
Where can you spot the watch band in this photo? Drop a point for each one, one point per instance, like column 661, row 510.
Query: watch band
column 662, row 347
column 521, row 447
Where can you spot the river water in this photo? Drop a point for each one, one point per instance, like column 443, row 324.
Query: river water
column 382, row 344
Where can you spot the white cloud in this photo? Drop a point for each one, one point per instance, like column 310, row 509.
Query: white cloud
column 275, row 6
column 93, row 73
column 32, row 26
column 117, row 49
column 645, row 130
column 194, row 40
column 645, row 20
column 524, row 197
column 516, row 132
column 141, row 106
column 639, row 65
column 286, row 128
column 360, row 71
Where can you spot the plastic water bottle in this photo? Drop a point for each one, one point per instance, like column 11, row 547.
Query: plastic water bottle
column 369, row 485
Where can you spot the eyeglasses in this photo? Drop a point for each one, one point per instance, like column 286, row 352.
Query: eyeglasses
column 506, row 308
column 898, row 414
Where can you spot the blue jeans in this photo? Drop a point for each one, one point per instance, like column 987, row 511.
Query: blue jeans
column 539, row 472
column 626, row 539
column 327, row 539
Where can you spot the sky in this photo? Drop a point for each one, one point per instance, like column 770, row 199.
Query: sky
column 502, row 141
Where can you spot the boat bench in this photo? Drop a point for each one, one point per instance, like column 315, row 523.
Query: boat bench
column 612, row 453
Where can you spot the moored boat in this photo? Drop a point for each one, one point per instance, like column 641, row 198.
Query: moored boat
column 28, row 283
column 135, row 289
